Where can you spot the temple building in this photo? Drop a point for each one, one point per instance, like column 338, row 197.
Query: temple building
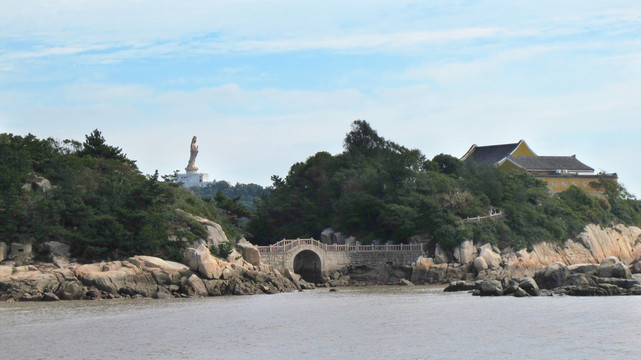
column 559, row 172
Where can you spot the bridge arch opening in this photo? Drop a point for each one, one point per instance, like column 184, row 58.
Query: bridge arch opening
column 308, row 265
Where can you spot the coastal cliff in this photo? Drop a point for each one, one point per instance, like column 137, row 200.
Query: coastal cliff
column 469, row 261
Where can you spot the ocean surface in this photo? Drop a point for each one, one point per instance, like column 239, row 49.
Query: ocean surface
column 352, row 323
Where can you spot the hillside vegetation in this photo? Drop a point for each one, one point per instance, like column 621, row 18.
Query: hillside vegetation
column 98, row 201
column 377, row 190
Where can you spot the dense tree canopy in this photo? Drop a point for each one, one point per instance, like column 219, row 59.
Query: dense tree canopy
column 99, row 202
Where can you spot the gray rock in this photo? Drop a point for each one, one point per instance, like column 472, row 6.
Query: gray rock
column 197, row 285
column 635, row 290
column 201, row 261
column 49, row 296
column 437, row 274
column 405, row 282
column 351, row 241
column 510, row 286
column 70, row 290
column 162, row 293
column 581, row 279
column 460, row 286
column 56, row 248
column 326, row 236
column 492, row 259
column 530, row 286
column 338, row 238
column 611, row 289
column 588, row 269
column 38, row 183
column 249, row 251
column 621, row 283
column 612, row 267
column 520, row 293
column 294, row 278
column 466, row 252
column 491, row 288
column 215, row 233
column 552, row 276
column 480, row 264
column 635, row 266
column 440, row 256
column 584, row 290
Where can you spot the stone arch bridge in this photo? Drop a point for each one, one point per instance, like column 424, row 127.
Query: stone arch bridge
column 310, row 258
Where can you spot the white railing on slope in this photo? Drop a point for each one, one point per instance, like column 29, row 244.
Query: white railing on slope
column 482, row 218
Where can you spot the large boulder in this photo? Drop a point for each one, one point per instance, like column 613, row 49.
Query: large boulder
column 326, row 236
column 197, row 285
column 420, row 269
column 491, row 288
column 635, row 266
column 201, row 261
column 613, row 267
column 249, row 251
column 437, row 274
column 466, row 252
column 440, row 255
column 70, row 290
column 56, row 248
column 552, row 276
column 530, row 286
column 58, row 252
column 587, row 269
column 215, row 233
column 492, row 259
column 293, row 277
column 128, row 279
column 479, row 264
column 580, row 279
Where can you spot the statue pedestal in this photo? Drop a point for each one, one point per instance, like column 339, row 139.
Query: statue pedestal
column 193, row 178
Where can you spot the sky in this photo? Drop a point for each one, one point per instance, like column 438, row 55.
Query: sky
column 265, row 84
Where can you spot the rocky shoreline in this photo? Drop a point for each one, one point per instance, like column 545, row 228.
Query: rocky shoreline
column 145, row 277
column 601, row 261
column 610, row 278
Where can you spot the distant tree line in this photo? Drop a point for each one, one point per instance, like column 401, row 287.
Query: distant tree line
column 247, row 194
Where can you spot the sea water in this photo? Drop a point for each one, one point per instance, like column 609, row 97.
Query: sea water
column 411, row 322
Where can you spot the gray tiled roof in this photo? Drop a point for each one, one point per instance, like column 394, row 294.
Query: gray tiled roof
column 490, row 155
column 549, row 163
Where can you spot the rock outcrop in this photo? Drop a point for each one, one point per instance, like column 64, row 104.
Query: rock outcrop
column 249, row 251
column 558, row 279
column 215, row 233
column 141, row 276
column 584, row 254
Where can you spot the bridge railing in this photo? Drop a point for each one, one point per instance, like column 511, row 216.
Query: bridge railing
column 284, row 246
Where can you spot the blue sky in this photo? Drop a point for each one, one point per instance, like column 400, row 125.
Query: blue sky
column 265, row 84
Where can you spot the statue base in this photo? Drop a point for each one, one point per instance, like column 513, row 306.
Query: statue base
column 193, row 178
